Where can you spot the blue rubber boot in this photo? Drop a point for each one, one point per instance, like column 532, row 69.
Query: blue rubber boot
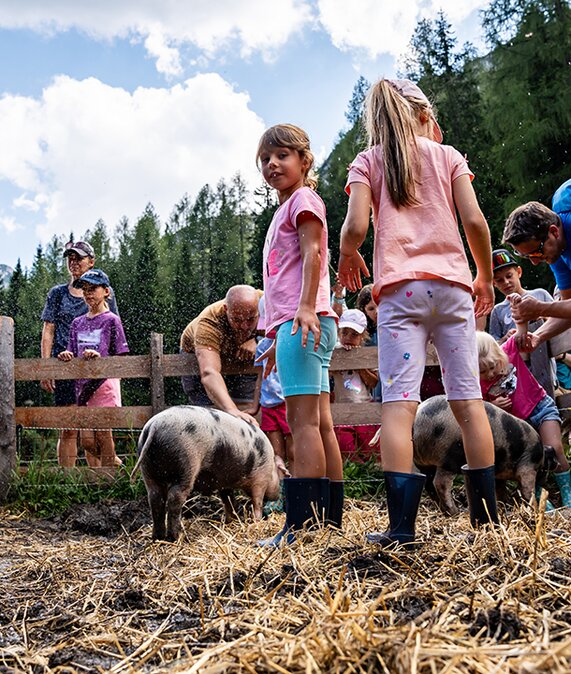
column 549, row 507
column 306, row 503
column 403, row 499
column 480, row 484
column 564, row 483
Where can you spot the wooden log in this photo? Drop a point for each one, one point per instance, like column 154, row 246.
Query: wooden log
column 123, row 367
column 7, row 404
column 560, row 343
column 354, row 414
column 157, row 373
column 83, row 417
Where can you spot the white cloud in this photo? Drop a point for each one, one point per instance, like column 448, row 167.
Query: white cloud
column 85, row 150
column 165, row 25
column 9, row 224
column 379, row 28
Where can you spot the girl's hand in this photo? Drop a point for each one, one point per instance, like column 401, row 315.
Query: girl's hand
column 350, row 268
column 91, row 353
column 307, row 320
column 65, row 355
column 484, row 294
column 503, row 402
column 270, row 354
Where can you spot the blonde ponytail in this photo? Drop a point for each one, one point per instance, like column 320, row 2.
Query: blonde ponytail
column 390, row 122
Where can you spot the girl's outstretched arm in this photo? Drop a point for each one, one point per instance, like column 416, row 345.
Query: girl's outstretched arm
column 310, row 230
column 353, row 233
column 478, row 235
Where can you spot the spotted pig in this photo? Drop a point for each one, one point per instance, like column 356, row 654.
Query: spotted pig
column 437, row 441
column 188, row 448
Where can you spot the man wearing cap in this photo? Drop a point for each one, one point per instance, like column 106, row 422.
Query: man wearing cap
column 64, row 303
column 222, row 336
column 507, row 279
column 541, row 234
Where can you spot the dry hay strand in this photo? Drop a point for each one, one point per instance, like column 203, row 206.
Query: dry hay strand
column 464, row 602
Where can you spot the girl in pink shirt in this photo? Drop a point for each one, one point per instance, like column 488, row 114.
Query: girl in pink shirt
column 300, row 318
column 423, row 285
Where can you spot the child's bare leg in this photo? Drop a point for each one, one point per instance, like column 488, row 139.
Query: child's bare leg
column 278, row 442
column 303, row 420
column 106, row 447
column 476, row 432
column 67, row 448
column 289, row 452
column 550, row 433
column 333, row 460
column 89, row 444
column 397, row 419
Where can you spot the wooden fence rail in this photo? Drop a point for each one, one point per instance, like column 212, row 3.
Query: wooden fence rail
column 155, row 367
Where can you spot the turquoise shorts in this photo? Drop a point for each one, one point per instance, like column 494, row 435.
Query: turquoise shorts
column 303, row 371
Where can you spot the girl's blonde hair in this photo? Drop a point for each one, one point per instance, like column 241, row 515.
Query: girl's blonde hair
column 294, row 138
column 489, row 351
column 390, row 121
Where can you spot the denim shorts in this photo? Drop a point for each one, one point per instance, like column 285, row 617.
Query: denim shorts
column 545, row 410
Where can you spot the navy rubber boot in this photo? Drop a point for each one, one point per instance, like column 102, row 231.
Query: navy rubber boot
column 306, row 503
column 480, row 484
column 403, row 499
column 336, row 500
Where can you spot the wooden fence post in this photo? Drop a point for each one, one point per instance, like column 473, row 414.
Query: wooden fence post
column 157, row 373
column 7, row 405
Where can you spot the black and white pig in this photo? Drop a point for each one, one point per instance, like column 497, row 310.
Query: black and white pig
column 437, row 441
column 188, row 448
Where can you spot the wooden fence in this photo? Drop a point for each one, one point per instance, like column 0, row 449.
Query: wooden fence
column 155, row 367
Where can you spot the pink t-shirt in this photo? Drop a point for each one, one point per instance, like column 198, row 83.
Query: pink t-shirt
column 519, row 384
column 417, row 242
column 283, row 264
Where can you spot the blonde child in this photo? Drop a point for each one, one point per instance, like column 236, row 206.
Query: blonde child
column 300, row 318
column 97, row 333
column 354, row 386
column 507, row 382
column 423, row 287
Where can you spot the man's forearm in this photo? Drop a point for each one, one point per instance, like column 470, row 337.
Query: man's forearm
column 217, row 391
column 553, row 326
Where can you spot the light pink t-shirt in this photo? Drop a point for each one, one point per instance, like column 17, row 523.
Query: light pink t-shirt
column 417, row 242
column 283, row 264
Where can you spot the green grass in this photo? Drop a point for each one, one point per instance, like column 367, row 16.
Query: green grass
column 363, row 480
column 45, row 491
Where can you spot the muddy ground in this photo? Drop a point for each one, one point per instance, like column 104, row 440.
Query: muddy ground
column 89, row 592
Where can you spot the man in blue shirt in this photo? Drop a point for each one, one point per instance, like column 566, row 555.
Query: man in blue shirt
column 541, row 234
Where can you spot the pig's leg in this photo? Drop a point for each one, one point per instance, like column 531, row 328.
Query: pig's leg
column 526, row 477
column 257, row 493
column 227, row 496
column 157, row 502
column 443, row 480
column 176, row 498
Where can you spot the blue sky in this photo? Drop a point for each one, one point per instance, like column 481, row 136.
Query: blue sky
column 106, row 106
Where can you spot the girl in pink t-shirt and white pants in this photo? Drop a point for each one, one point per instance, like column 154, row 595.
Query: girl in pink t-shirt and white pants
column 300, row 317
column 423, row 287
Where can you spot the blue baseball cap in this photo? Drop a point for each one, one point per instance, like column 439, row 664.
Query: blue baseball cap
column 95, row 277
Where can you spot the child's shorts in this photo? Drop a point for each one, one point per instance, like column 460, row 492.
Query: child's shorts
column 107, row 395
column 354, row 442
column 408, row 316
column 305, row 371
column 274, row 419
column 545, row 410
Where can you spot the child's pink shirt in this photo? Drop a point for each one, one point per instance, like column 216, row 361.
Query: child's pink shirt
column 283, row 264
column 419, row 242
column 528, row 391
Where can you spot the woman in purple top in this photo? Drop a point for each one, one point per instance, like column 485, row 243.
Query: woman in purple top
column 95, row 334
